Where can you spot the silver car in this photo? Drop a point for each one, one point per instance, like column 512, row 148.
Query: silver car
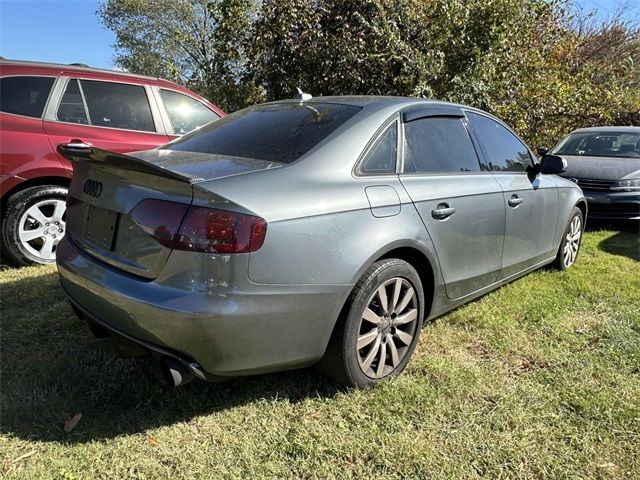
column 308, row 231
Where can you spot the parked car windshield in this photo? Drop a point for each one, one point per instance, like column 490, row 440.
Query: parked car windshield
column 277, row 133
column 603, row 144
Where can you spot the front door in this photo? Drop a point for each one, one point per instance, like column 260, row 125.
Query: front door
column 531, row 201
column 461, row 206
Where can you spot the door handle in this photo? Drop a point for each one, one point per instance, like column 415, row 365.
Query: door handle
column 514, row 201
column 76, row 145
column 443, row 211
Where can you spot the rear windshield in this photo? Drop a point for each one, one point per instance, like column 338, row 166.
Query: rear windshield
column 603, row 144
column 275, row 133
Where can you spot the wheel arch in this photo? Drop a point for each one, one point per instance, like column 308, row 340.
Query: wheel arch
column 582, row 205
column 33, row 182
column 419, row 257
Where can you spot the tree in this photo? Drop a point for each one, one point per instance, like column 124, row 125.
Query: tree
column 542, row 66
column 538, row 64
column 200, row 43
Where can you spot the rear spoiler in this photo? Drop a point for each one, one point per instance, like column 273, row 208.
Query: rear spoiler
column 79, row 152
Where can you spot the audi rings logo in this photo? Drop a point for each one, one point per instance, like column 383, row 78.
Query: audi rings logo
column 93, row 188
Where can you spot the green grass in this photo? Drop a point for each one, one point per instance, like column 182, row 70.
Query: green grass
column 540, row 379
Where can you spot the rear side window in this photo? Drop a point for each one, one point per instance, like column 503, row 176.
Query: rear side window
column 25, row 95
column 438, row 145
column 72, row 108
column 185, row 113
column 277, row 133
column 503, row 151
column 382, row 157
column 118, row 105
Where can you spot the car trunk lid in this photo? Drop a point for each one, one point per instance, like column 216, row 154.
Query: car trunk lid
column 107, row 186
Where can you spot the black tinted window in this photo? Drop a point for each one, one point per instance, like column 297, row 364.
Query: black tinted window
column 118, row 105
column 382, row 157
column 24, row 95
column 438, row 145
column 276, row 133
column 503, row 151
column 71, row 107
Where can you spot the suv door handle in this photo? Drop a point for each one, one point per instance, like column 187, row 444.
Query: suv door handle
column 443, row 211
column 514, row 201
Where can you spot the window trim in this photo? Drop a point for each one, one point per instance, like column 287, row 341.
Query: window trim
column 373, row 141
column 46, row 103
column 484, row 161
column 441, row 174
column 166, row 120
column 51, row 114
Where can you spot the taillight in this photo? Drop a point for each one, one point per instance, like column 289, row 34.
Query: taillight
column 199, row 229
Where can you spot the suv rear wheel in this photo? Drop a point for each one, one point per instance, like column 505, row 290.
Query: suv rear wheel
column 33, row 224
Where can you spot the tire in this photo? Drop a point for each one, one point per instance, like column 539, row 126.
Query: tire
column 572, row 236
column 380, row 334
column 33, row 223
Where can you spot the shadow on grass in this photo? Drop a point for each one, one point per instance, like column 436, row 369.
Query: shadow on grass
column 625, row 244
column 52, row 368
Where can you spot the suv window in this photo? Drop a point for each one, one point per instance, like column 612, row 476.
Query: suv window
column 503, row 151
column 25, row 95
column 118, row 105
column 438, row 145
column 72, row 108
column 185, row 113
column 281, row 132
column 382, row 157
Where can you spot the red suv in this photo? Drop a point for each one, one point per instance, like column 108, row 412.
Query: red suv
column 43, row 105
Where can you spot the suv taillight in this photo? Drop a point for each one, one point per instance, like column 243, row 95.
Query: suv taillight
column 199, row 229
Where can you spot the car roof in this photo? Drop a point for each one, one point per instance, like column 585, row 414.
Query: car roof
column 609, row 129
column 366, row 100
column 44, row 66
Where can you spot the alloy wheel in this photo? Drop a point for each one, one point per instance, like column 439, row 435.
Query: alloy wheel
column 41, row 228
column 572, row 242
column 387, row 327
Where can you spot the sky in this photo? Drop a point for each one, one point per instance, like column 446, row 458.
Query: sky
column 69, row 31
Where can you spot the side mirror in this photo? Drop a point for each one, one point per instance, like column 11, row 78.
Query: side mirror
column 542, row 151
column 552, row 164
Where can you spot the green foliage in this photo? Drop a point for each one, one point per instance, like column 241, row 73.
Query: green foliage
column 538, row 64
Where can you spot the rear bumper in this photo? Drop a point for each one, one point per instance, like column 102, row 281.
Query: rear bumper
column 220, row 332
column 613, row 205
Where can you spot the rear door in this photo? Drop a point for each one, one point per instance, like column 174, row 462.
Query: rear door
column 116, row 116
column 461, row 206
column 531, row 202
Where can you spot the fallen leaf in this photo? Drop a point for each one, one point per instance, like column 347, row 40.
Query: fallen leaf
column 70, row 424
column 152, row 440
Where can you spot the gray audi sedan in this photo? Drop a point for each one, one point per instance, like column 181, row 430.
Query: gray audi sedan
column 308, row 231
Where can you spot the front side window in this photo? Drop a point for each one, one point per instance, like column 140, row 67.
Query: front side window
column 503, row 151
column 438, row 145
column 118, row 105
column 185, row 113
column 72, row 108
column 25, row 95
column 281, row 132
column 382, row 157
